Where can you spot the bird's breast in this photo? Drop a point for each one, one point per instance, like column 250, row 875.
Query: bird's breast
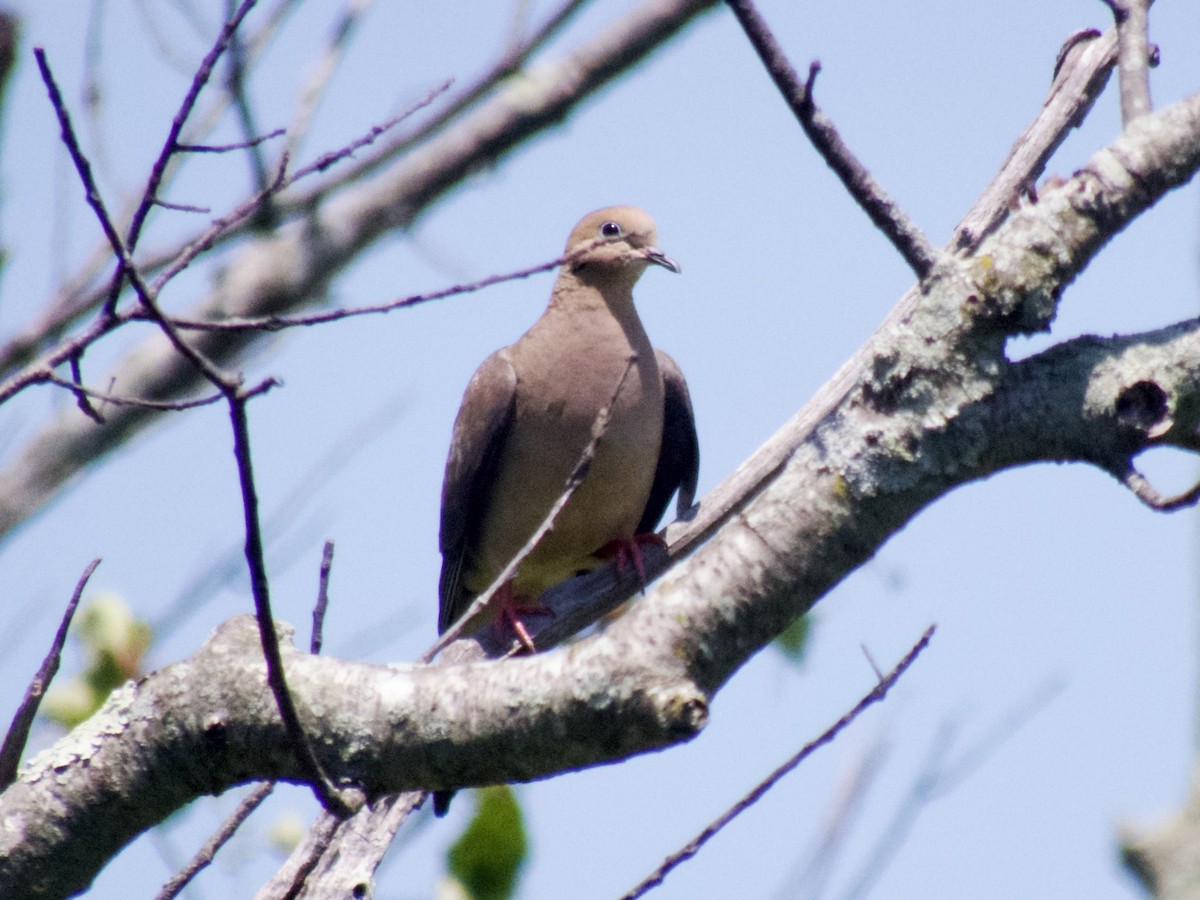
column 559, row 397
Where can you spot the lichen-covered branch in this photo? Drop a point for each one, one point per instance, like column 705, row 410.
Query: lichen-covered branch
column 933, row 404
column 209, row 722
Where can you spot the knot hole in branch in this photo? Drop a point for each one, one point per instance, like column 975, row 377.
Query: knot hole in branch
column 1143, row 405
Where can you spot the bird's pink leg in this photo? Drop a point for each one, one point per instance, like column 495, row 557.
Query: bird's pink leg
column 509, row 613
column 629, row 550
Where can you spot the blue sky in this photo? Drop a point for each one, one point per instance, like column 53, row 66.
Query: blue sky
column 1048, row 576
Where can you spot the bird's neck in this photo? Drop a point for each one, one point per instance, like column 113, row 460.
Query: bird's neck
column 602, row 293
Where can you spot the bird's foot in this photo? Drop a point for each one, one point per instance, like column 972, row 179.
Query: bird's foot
column 509, row 617
column 629, row 550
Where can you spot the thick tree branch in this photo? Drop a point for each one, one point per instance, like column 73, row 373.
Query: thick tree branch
column 647, row 680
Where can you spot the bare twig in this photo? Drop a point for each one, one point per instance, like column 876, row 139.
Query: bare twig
column 318, row 615
column 75, row 385
column 158, row 170
column 245, row 210
column 360, row 168
column 227, row 148
column 264, row 217
column 237, row 397
column 871, row 661
column 1148, row 494
column 125, row 265
column 182, row 207
column 260, row 588
column 116, row 400
column 82, row 165
column 22, row 721
column 877, row 693
column 205, row 855
column 1134, row 58
column 503, row 68
column 888, row 217
column 76, row 300
column 278, row 323
column 79, row 295
column 314, row 88
column 938, row 776
column 1084, row 63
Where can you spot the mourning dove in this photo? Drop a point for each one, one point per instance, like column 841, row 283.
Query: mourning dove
column 528, row 414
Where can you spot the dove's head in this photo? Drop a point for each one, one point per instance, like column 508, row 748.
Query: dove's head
column 617, row 241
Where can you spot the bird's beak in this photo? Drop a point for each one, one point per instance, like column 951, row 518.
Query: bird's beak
column 656, row 256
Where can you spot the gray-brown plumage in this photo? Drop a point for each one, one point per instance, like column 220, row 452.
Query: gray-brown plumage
column 528, row 414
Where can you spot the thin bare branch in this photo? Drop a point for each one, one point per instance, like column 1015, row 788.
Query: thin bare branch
column 75, row 385
column 126, row 269
column 235, row 82
column 888, row 217
column 318, row 615
column 318, row 80
column 80, row 294
column 693, row 847
column 502, row 69
column 182, row 207
column 22, row 721
column 330, row 799
column 245, row 211
column 82, row 165
column 278, row 323
column 938, row 775
column 205, row 855
column 227, row 148
column 1149, row 495
column 359, row 169
column 116, row 400
column 1135, row 56
column 230, row 388
column 1080, row 73
column 158, row 170
column 871, row 661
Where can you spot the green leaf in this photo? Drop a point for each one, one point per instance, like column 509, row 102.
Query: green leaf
column 793, row 642
column 114, row 644
column 487, row 857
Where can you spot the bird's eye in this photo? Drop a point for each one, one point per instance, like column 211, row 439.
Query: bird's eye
column 610, row 230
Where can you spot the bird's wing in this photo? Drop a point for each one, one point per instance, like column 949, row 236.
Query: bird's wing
column 679, row 458
column 475, row 450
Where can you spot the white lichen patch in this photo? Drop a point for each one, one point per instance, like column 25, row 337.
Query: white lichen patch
column 86, row 739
